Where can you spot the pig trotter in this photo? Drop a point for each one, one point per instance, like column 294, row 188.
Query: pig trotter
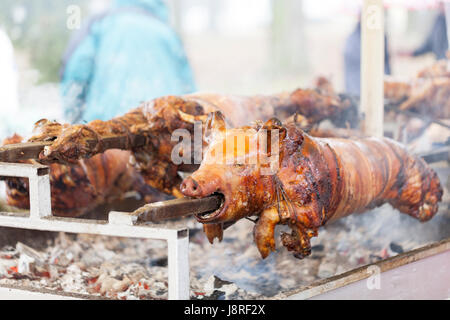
column 264, row 231
column 213, row 231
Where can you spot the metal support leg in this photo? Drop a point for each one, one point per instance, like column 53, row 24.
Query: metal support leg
column 40, row 199
column 178, row 264
column 39, row 181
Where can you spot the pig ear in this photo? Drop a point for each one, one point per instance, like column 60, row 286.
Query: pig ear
column 275, row 124
column 215, row 123
column 270, row 130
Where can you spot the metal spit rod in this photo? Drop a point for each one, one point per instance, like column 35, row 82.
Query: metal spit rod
column 31, row 150
column 177, row 208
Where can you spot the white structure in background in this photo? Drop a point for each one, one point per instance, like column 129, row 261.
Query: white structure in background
column 9, row 103
column 8, row 76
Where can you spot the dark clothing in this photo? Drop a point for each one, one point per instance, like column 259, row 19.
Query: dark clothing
column 352, row 61
column 437, row 41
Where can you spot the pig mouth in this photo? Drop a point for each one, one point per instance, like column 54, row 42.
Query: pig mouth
column 210, row 216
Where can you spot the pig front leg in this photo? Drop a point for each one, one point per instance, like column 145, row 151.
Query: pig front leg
column 215, row 230
column 264, row 231
column 212, row 231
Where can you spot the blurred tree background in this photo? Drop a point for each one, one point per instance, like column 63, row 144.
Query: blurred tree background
column 38, row 29
column 272, row 45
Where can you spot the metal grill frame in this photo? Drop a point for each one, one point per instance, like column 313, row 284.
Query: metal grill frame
column 119, row 224
column 417, row 274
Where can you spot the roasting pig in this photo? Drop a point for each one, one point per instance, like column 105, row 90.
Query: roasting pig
column 281, row 175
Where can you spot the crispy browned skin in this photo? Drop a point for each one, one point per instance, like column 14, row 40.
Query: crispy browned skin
column 316, row 180
column 81, row 187
column 335, row 133
column 156, row 120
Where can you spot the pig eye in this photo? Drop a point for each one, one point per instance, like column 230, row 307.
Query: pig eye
column 239, row 165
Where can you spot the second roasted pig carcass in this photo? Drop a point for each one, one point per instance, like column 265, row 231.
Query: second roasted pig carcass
column 425, row 94
column 281, row 175
column 429, row 97
column 417, row 103
column 81, row 187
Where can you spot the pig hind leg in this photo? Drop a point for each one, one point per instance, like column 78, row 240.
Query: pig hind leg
column 420, row 190
column 298, row 241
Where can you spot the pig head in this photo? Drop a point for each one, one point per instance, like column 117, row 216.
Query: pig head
column 242, row 165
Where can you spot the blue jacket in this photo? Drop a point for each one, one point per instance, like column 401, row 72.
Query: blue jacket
column 121, row 58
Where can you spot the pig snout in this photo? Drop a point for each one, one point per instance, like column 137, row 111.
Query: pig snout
column 191, row 188
column 196, row 186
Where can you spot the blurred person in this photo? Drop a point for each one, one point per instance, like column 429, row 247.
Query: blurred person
column 436, row 42
column 125, row 56
column 352, row 61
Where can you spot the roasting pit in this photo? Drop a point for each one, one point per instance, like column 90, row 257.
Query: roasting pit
column 92, row 266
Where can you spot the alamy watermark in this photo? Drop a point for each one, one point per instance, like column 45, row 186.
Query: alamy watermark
column 73, row 21
column 374, row 280
column 374, row 17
